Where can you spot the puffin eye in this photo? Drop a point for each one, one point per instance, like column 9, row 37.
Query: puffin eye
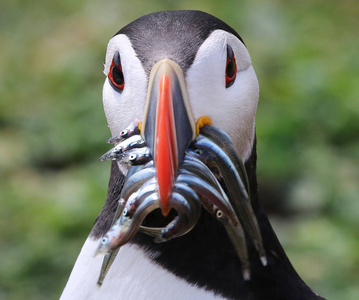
column 116, row 75
column 231, row 67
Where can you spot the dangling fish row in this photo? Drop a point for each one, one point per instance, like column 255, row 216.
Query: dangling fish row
column 195, row 186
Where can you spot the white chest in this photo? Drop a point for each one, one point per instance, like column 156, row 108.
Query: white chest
column 132, row 276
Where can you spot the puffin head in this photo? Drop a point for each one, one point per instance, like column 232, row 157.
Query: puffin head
column 212, row 66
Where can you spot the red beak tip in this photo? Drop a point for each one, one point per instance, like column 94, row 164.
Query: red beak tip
column 165, row 210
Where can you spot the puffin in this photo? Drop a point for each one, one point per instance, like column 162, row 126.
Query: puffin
column 219, row 82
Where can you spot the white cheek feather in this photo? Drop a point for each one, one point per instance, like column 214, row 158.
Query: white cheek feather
column 132, row 276
column 232, row 109
column 122, row 108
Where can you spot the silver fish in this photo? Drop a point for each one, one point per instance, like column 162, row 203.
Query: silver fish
column 237, row 192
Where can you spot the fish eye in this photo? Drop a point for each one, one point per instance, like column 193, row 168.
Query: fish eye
column 219, row 214
column 198, row 151
column 132, row 156
column 104, row 240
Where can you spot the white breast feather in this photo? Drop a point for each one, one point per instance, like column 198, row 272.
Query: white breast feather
column 133, row 276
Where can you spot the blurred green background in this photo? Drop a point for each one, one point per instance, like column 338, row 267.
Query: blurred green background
column 53, row 129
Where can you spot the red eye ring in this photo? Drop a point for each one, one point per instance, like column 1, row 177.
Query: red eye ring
column 115, row 75
column 231, row 67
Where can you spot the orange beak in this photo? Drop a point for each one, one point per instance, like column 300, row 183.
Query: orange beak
column 168, row 125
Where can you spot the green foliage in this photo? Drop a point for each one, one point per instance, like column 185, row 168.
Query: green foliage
column 52, row 130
